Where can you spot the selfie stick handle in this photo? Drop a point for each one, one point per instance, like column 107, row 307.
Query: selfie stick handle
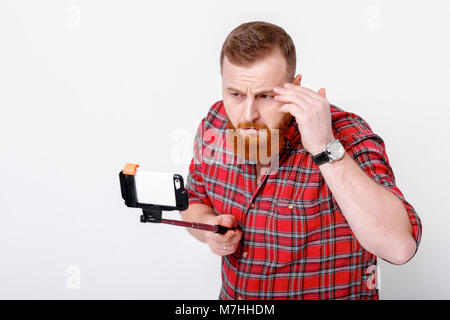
column 195, row 225
column 152, row 215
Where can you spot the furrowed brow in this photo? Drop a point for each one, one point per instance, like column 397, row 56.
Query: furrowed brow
column 265, row 91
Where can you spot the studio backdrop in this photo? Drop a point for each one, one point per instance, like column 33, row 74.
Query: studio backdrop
column 87, row 86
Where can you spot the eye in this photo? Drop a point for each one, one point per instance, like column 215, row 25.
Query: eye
column 235, row 94
column 265, row 96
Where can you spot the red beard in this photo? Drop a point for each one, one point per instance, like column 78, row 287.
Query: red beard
column 261, row 146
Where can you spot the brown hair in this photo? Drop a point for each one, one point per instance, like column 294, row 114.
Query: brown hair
column 252, row 41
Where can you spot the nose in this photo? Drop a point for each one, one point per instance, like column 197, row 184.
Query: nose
column 251, row 112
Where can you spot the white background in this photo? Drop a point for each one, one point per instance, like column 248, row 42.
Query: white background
column 86, row 86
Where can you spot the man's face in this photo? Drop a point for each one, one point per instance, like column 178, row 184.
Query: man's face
column 248, row 99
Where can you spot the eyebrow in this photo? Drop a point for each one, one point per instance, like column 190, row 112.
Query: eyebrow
column 257, row 93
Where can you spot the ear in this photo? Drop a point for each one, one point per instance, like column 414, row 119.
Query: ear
column 297, row 80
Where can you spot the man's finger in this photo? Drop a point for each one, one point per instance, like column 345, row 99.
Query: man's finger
column 306, row 96
column 229, row 235
column 322, row 92
column 293, row 109
column 302, row 90
column 228, row 221
column 311, row 97
column 300, row 101
column 236, row 237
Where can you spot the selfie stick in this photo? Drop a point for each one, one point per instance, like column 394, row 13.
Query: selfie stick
column 153, row 212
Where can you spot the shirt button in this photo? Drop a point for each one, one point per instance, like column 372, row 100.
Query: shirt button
column 290, row 206
column 245, row 254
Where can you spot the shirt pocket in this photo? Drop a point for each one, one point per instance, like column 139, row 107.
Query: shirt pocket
column 297, row 227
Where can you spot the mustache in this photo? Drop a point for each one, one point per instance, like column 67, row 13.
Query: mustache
column 249, row 125
column 282, row 125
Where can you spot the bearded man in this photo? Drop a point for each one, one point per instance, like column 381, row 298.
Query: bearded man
column 305, row 187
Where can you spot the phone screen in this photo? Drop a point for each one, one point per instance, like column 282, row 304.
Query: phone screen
column 155, row 188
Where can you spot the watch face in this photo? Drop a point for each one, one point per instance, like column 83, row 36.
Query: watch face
column 335, row 149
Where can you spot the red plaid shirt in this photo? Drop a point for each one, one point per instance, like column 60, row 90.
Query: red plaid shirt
column 296, row 243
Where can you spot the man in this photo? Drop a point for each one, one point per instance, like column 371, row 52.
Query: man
column 308, row 218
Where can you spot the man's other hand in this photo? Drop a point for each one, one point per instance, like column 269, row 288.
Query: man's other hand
column 224, row 244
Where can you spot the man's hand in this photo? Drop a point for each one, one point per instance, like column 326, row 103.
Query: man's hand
column 311, row 111
column 224, row 244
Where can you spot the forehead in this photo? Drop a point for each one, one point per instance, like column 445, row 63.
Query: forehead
column 268, row 71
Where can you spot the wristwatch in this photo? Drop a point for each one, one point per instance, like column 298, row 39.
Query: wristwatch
column 333, row 151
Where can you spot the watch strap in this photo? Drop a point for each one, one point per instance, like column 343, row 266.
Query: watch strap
column 321, row 158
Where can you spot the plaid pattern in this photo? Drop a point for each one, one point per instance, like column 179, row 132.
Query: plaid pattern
column 296, row 244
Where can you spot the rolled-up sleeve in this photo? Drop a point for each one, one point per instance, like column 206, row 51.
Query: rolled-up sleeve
column 195, row 184
column 368, row 151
